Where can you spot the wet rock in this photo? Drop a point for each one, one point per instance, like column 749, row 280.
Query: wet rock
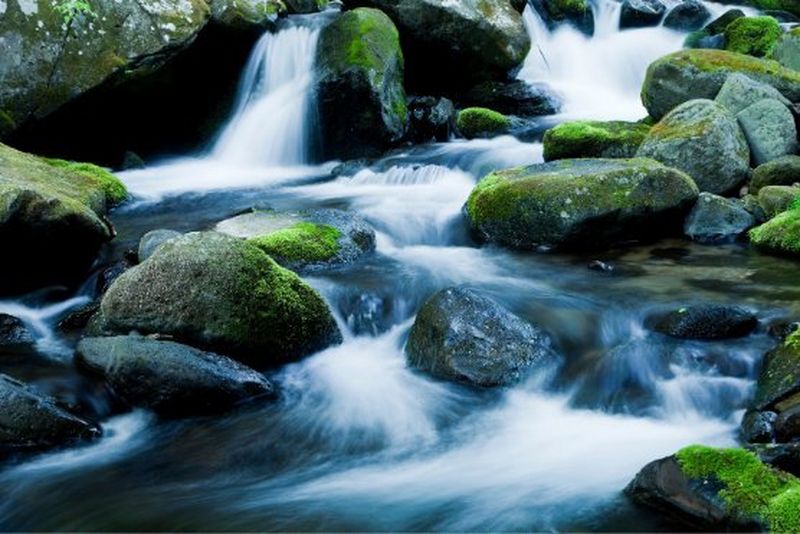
column 462, row 336
column 713, row 35
column 705, row 322
column 740, row 92
column 577, row 13
column 692, row 74
column 518, row 98
column 758, row 427
column 594, row 139
column 585, row 202
column 109, row 274
column 220, row 293
column 780, row 171
column 770, row 130
column 169, row 378
column 780, row 235
column 30, row 421
column 690, row 15
column 783, row 456
column 78, row 319
column 641, row 13
column 775, row 199
column 431, row 119
column 305, row 241
column 755, row 36
column 787, row 49
column 719, row 24
column 780, row 375
column 14, row 334
column 482, row 122
column 715, row 219
column 360, row 94
column 132, row 161
column 245, row 14
column 702, row 139
column 152, row 240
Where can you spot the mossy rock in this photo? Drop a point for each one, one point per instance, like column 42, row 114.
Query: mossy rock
column 691, row 74
column 775, row 199
column 51, row 212
column 740, row 92
column 755, row 36
column 781, row 171
column 594, row 139
column 482, row 122
column 576, row 12
column 581, row 202
column 223, row 294
column 361, row 99
column 787, row 49
column 246, row 14
column 780, row 235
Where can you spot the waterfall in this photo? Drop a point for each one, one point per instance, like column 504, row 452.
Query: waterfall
column 272, row 118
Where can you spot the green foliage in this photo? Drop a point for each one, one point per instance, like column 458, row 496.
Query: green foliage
column 303, row 242
column 755, row 36
column 72, row 9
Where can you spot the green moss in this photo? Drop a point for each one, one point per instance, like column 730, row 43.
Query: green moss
column 366, row 38
column 755, row 36
column 476, row 122
column 780, row 235
column 114, row 189
column 715, row 60
column 750, row 488
column 580, row 139
column 302, row 242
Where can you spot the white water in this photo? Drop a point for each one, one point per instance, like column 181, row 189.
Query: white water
column 41, row 321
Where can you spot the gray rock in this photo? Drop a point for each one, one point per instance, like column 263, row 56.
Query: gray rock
column 787, row 51
column 169, row 378
column 641, row 13
column 707, row 321
column 154, row 239
column 688, row 16
column 740, row 91
column 716, row 219
column 703, row 139
column 780, row 171
column 770, row 130
column 14, row 335
column 462, row 336
column 775, row 199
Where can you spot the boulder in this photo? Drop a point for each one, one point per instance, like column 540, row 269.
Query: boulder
column 51, row 211
column 450, row 45
column 463, row 336
column 578, row 13
column 755, row 36
column 431, row 119
column 780, row 235
column 641, row 13
column 169, row 378
column 482, row 122
column 154, row 239
column 740, row 91
column 775, row 199
column 703, row 139
column 770, row 130
column 787, row 49
column 690, row 15
column 716, row 219
column 514, row 98
column 361, row 100
column 219, row 293
column 779, row 380
column 780, row 171
column 246, row 14
column 14, row 334
column 305, row 241
column 707, row 321
column 32, row 422
column 713, row 35
column 568, row 203
column 594, row 139
column 691, row 74
column 758, row 427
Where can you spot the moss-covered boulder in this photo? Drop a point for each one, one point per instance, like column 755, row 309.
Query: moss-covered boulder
column 787, row 49
column 53, row 52
column 713, row 34
column 219, row 293
column 594, row 139
column 780, row 235
column 703, row 139
column 578, row 13
column 719, row 489
column 580, row 202
column 51, row 212
column 452, row 45
column 482, row 122
column 781, row 171
column 755, row 36
column 775, row 199
column 246, row 14
column 305, row 241
column 361, row 99
column 691, row 74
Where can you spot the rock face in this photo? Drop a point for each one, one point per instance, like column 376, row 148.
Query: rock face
column 705, row 322
column 740, row 92
column 781, row 171
column 30, row 421
column 515, row 98
column 462, row 336
column 641, row 13
column 50, row 212
column 594, row 139
column 755, row 36
column 169, row 378
column 780, row 235
column 52, row 55
column 579, row 202
column 690, row 15
column 770, row 130
column 222, row 293
column 449, row 45
column 787, row 49
column 691, row 74
column 716, row 219
column 701, row 138
column 305, row 241
column 361, row 100
column 14, row 335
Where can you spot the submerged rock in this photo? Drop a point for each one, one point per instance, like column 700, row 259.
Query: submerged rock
column 361, row 99
column 716, row 219
column 689, row 15
column 580, row 202
column 222, row 293
column 641, row 13
column 702, row 139
column 169, row 378
column 780, row 171
column 705, row 322
column 594, row 139
column 770, row 130
column 462, row 336
column 482, row 122
column 152, row 240
column 30, row 421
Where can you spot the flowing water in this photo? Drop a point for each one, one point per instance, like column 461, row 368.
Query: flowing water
column 358, row 441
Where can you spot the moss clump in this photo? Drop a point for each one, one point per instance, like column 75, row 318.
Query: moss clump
column 583, row 139
column 479, row 122
column 780, row 235
column 114, row 189
column 755, row 36
column 302, row 242
column 750, row 488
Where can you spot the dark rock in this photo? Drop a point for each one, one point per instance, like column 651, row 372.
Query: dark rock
column 576, row 13
column 111, row 273
column 169, row 378
column 715, row 219
column 514, row 98
column 463, row 336
column 758, row 427
column 783, row 456
column 79, row 318
column 132, row 161
column 641, row 13
column 705, row 322
column 719, row 24
column 430, row 119
column 14, row 334
column 689, row 16
column 779, row 380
